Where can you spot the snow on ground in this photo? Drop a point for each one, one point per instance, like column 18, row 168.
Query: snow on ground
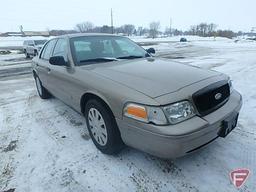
column 177, row 38
column 11, row 56
column 44, row 145
column 14, row 64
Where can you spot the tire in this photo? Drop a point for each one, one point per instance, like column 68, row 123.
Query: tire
column 111, row 143
column 41, row 90
column 27, row 55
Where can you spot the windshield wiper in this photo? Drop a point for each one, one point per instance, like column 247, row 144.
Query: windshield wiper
column 130, row 57
column 100, row 59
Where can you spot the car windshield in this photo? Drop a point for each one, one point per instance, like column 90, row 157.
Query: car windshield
column 95, row 49
column 39, row 42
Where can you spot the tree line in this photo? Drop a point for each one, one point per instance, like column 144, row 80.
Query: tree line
column 152, row 31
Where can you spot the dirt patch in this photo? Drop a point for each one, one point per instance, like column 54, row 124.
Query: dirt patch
column 4, row 52
column 18, row 59
column 174, row 57
column 86, row 137
column 9, row 190
column 15, row 71
column 12, row 145
column 75, row 123
column 6, row 175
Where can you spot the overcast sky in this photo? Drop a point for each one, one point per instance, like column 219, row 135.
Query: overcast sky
column 65, row 14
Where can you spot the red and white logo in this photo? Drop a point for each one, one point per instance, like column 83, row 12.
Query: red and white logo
column 239, row 176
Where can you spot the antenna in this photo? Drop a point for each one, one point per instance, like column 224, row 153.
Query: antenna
column 112, row 27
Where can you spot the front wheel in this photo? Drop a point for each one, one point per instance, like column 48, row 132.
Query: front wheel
column 42, row 92
column 102, row 127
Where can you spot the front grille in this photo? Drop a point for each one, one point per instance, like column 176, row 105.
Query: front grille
column 211, row 97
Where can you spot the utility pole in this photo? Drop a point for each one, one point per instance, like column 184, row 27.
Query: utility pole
column 170, row 26
column 21, row 30
column 112, row 26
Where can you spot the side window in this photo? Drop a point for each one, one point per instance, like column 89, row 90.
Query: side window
column 61, row 48
column 30, row 43
column 108, row 48
column 47, row 52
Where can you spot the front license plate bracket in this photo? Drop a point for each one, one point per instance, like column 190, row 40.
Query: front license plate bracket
column 228, row 125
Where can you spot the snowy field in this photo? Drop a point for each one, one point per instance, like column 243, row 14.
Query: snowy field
column 16, row 41
column 45, row 147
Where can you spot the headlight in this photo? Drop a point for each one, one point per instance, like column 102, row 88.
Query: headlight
column 178, row 112
column 145, row 113
column 231, row 88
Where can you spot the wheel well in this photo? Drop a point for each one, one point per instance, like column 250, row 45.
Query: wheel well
column 34, row 73
column 88, row 96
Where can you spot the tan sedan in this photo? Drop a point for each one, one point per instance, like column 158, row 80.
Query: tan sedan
column 156, row 105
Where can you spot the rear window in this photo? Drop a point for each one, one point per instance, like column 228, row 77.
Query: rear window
column 40, row 42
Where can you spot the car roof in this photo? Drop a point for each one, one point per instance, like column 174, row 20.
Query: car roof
column 87, row 34
column 35, row 40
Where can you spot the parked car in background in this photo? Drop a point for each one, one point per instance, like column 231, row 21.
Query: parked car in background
column 156, row 105
column 183, row 39
column 32, row 47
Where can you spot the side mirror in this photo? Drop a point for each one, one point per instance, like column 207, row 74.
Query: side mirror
column 58, row 60
column 151, row 50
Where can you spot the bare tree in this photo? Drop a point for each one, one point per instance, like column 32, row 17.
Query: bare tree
column 211, row 29
column 128, row 29
column 193, row 30
column 226, row 33
column 106, row 29
column 153, row 29
column 84, row 27
column 203, row 29
column 139, row 31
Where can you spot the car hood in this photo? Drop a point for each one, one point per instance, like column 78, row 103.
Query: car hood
column 153, row 77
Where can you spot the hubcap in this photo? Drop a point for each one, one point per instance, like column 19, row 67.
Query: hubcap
column 97, row 126
column 38, row 86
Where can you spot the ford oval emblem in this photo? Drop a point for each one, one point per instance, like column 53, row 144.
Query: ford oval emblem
column 218, row 96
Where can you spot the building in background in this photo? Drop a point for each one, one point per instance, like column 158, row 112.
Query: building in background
column 26, row 34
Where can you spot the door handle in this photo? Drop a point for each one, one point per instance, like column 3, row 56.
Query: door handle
column 48, row 70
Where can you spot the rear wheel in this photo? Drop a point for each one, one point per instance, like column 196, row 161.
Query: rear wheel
column 102, row 127
column 42, row 92
column 26, row 54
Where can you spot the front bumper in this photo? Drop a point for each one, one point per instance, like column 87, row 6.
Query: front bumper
column 174, row 141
